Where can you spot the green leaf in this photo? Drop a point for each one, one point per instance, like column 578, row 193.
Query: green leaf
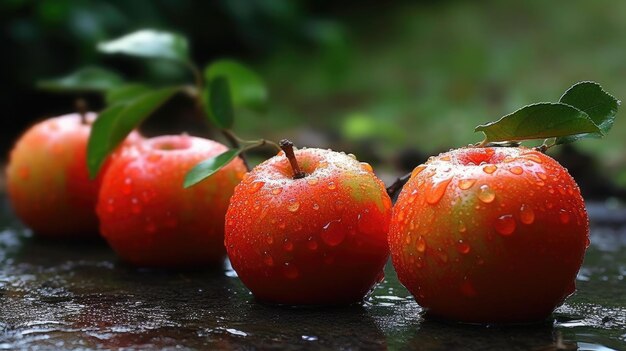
column 85, row 79
column 597, row 103
column 539, row 121
column 149, row 43
column 125, row 93
column 247, row 87
column 208, row 167
column 117, row 121
column 218, row 103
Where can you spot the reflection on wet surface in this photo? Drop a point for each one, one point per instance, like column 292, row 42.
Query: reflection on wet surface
column 61, row 296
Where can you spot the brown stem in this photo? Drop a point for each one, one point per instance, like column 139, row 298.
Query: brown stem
column 287, row 147
column 81, row 107
column 234, row 143
column 396, row 186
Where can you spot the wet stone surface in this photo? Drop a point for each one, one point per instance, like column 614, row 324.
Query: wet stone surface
column 60, row 296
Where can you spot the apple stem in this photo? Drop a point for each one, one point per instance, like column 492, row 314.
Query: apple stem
column 396, row 186
column 287, row 147
column 81, row 108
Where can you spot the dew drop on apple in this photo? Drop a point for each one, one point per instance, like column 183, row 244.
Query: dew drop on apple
column 311, row 244
column 526, row 214
column 254, row 187
column 367, row 167
column 316, row 206
column 420, row 262
column 420, row 244
column 517, row 170
column 437, row 192
column 277, row 191
column 267, row 259
column 486, row 194
column 332, row 233
column 127, row 188
column 312, row 181
column 533, row 158
column 462, row 227
column 505, row 225
column 269, row 239
column 332, row 186
column 542, row 175
column 293, row 206
column 489, row 169
column 417, row 170
column 290, row 271
column 287, row 245
column 465, row 184
column 462, row 247
column 135, row 207
column 564, row 216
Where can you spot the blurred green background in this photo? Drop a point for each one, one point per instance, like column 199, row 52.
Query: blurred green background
column 391, row 83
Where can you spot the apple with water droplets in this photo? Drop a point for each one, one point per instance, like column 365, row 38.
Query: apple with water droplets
column 150, row 220
column 309, row 227
column 489, row 235
column 48, row 181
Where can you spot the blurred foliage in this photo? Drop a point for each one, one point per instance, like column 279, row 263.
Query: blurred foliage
column 370, row 78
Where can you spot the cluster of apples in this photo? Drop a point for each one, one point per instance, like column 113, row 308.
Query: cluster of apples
column 478, row 234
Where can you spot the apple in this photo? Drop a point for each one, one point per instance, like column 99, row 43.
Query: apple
column 48, row 181
column 489, row 235
column 315, row 235
column 150, row 220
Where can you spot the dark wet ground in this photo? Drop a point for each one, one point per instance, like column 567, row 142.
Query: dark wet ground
column 59, row 296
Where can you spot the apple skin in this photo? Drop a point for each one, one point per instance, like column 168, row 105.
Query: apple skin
column 489, row 235
column 150, row 220
column 48, row 182
column 318, row 240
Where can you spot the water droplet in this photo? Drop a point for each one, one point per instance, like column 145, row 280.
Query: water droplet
column 445, row 158
column 551, row 191
column 135, row 206
column 24, row 172
column 332, row 233
column 564, row 216
column 316, row 207
column 516, row 170
column 312, row 181
column 367, row 167
column 465, row 184
column 542, row 175
column 269, row 239
column 352, row 156
column 127, row 188
column 505, row 225
column 533, row 158
column 400, row 215
column 489, row 169
column 467, row 288
column 462, row 227
column 277, row 191
column 540, row 183
column 486, row 194
column 267, row 259
column 290, row 271
column 462, row 247
column 420, row 244
column 287, row 245
column 254, row 187
column 417, row 170
column 332, row 186
column 407, row 239
column 311, row 244
column 437, row 191
column 420, row 262
column 526, row 214
column 293, row 206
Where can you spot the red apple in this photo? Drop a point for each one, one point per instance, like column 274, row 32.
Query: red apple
column 489, row 235
column 147, row 216
column 48, row 181
column 318, row 239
